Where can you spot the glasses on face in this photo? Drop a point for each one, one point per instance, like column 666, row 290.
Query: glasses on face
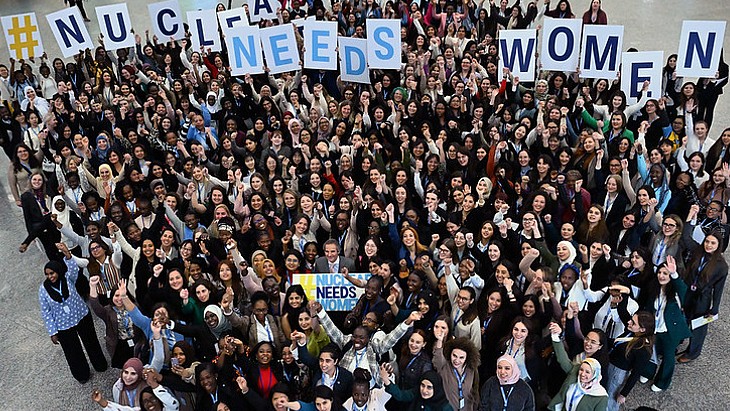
column 95, row 247
column 717, row 210
column 260, row 310
column 670, row 225
column 528, row 219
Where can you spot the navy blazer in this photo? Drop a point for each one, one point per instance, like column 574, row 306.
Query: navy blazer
column 343, row 383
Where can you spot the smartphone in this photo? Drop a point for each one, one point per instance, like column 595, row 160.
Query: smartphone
column 174, row 361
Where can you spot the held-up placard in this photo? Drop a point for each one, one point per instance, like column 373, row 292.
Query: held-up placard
column 560, row 44
column 384, row 44
column 280, row 48
column 517, row 52
column 166, row 19
column 116, row 26
column 22, row 35
column 638, row 67
column 700, row 45
column 204, row 30
column 262, row 10
column 320, row 45
column 601, row 54
column 244, row 50
column 353, row 63
column 70, row 32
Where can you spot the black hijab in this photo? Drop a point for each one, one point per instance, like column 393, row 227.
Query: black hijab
column 439, row 396
column 60, row 284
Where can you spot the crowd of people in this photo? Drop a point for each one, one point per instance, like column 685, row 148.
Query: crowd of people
column 531, row 244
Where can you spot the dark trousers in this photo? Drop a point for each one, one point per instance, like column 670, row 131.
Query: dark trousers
column 71, row 340
column 122, row 352
column 697, row 341
column 79, row 3
column 665, row 347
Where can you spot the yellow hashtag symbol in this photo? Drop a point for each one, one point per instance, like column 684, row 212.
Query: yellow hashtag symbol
column 23, row 37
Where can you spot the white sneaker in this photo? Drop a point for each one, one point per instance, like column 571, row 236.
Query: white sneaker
column 643, row 380
column 655, row 388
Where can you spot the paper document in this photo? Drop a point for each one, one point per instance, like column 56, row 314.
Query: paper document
column 702, row 321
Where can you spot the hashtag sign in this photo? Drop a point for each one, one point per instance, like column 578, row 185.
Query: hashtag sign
column 22, row 36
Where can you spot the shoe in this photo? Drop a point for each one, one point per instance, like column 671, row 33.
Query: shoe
column 683, row 359
column 643, row 380
column 655, row 388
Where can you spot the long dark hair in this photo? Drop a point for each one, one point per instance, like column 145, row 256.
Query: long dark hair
column 32, row 161
column 711, row 260
column 644, row 340
column 654, row 288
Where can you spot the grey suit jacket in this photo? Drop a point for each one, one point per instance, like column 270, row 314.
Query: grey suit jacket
column 322, row 265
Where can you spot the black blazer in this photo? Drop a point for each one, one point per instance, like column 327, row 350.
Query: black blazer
column 706, row 299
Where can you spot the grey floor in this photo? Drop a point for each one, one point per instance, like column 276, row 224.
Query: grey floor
column 35, row 376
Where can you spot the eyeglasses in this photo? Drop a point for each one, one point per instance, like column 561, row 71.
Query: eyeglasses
column 260, row 310
column 95, row 247
column 670, row 225
column 717, row 210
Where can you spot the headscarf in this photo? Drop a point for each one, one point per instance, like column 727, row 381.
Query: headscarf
column 438, row 398
column 103, row 153
column 573, row 254
column 134, row 389
column 516, row 374
column 40, row 104
column 60, row 284
column 215, row 107
column 223, row 323
column 593, row 388
column 63, row 217
column 295, row 136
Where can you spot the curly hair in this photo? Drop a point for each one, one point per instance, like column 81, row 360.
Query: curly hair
column 464, row 344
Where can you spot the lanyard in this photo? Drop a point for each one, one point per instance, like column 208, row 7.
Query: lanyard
column 60, row 292
column 131, row 206
column 701, row 267
column 458, row 315
column 517, row 352
column 633, row 273
column 337, row 371
column 359, row 358
column 608, row 204
column 460, row 381
column 486, row 322
column 201, row 189
column 130, row 396
column 413, row 359
column 607, row 318
column 102, row 270
column 268, row 330
column 659, row 307
column 96, row 215
column 408, row 302
column 576, row 394
column 77, row 197
column 505, row 397
column 662, row 246
column 214, row 397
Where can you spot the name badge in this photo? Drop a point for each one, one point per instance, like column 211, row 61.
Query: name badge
column 461, row 403
column 130, row 343
column 66, row 309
